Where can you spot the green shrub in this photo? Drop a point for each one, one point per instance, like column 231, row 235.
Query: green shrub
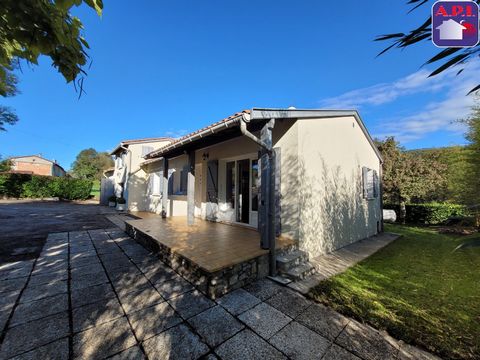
column 434, row 213
column 33, row 186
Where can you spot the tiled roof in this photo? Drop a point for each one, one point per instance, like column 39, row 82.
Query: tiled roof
column 183, row 138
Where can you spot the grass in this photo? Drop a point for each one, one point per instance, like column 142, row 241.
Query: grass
column 417, row 289
column 95, row 192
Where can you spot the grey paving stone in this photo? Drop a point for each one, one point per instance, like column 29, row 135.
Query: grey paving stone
column 190, row 304
column 408, row 352
column 153, row 320
column 289, row 302
column 163, row 275
column 32, row 293
column 299, row 342
column 34, row 310
column 76, row 273
column 133, row 353
column 125, row 284
column 50, row 267
column 177, row 343
column 323, row 320
column 366, row 342
column 263, row 289
column 114, row 258
column 4, row 315
column 336, row 352
column 238, row 301
column 265, row 320
column 92, row 294
column 215, row 325
column 95, row 314
column 8, row 299
column 84, row 261
column 88, row 280
column 29, row 336
column 16, row 265
column 57, row 350
column 10, row 285
column 15, row 272
column 41, row 278
column 103, row 340
column 248, row 345
column 121, row 268
column 140, row 299
column 173, row 288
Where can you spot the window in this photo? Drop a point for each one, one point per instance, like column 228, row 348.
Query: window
column 146, row 150
column 230, row 195
column 183, row 181
column 370, row 183
column 155, row 182
column 255, row 185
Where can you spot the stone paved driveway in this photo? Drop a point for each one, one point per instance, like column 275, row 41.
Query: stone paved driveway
column 97, row 294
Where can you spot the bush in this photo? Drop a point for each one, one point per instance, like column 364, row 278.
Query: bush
column 34, row 186
column 431, row 213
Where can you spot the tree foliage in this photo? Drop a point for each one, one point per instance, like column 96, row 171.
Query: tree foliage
column 407, row 177
column 473, row 137
column 5, row 165
column 90, row 164
column 447, row 57
column 31, row 28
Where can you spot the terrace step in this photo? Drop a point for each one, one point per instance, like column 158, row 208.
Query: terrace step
column 289, row 260
column 300, row 272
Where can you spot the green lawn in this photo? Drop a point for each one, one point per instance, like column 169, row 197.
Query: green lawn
column 417, row 289
column 95, row 189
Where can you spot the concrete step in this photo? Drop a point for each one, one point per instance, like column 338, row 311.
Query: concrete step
column 287, row 261
column 300, row 272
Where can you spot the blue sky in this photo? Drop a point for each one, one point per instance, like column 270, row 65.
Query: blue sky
column 167, row 68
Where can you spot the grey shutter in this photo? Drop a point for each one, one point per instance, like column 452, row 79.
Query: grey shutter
column 375, row 184
column 170, row 182
column 212, row 181
column 150, row 184
column 365, row 182
column 278, row 193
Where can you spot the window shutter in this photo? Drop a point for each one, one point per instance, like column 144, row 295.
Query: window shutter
column 150, row 184
column 212, row 181
column 365, row 182
column 375, row 184
column 277, row 189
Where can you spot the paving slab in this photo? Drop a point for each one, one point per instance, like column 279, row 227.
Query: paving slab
column 124, row 284
column 133, row 353
column 140, row 299
column 92, row 294
column 57, row 350
column 32, row 293
column 4, row 315
column 408, row 352
column 103, row 340
column 265, row 320
column 95, row 314
column 31, row 335
column 173, row 288
column 336, row 352
column 263, row 289
column 8, row 299
column 153, row 320
column 41, row 278
column 34, row 310
column 77, row 273
column 289, row 302
column 10, row 285
column 85, row 261
column 299, row 342
column 238, row 301
column 248, row 345
column 15, row 272
column 366, row 342
column 323, row 320
column 88, row 280
column 190, row 304
column 50, row 267
column 177, row 343
column 215, row 325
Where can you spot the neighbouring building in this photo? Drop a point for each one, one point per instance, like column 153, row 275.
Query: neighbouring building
column 36, row 165
column 324, row 177
column 128, row 177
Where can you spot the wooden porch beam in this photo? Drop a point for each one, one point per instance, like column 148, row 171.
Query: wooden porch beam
column 165, row 188
column 191, row 189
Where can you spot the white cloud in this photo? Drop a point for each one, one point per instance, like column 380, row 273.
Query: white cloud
column 453, row 104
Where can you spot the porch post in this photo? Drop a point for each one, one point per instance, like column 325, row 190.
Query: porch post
column 191, row 188
column 165, row 188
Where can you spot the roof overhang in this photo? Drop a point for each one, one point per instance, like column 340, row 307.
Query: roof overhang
column 230, row 128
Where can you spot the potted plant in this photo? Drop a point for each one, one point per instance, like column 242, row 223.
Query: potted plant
column 112, row 201
column 121, row 204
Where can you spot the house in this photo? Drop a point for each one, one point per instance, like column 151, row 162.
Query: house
column 451, row 30
column 36, row 165
column 308, row 175
column 128, row 177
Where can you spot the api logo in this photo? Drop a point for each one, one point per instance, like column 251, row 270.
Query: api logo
column 455, row 23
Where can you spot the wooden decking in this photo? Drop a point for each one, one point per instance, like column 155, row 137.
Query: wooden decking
column 211, row 246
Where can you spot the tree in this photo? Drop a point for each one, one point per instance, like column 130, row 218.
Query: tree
column 90, row 164
column 473, row 137
column 407, row 177
column 5, row 165
column 449, row 56
column 31, row 28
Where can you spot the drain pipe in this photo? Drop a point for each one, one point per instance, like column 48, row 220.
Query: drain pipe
column 266, row 144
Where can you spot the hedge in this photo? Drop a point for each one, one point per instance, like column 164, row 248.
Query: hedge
column 34, row 186
column 431, row 213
